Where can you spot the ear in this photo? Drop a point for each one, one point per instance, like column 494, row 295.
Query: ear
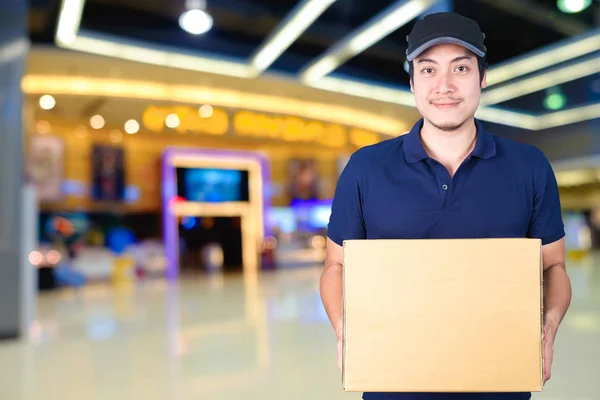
column 484, row 80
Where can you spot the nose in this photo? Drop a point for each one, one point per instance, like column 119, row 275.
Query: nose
column 446, row 83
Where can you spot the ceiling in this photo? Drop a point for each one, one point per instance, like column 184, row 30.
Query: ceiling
column 513, row 28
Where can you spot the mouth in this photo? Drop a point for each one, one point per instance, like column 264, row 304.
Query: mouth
column 446, row 105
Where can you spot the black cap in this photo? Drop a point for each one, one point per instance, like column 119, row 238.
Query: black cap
column 446, row 27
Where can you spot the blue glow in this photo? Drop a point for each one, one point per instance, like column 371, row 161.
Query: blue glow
column 119, row 239
column 319, row 216
column 282, row 218
column 132, row 194
column 213, row 185
column 189, row 223
column 73, row 188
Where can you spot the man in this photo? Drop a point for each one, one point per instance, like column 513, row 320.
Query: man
column 449, row 178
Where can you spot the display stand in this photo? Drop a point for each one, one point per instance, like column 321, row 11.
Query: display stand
column 251, row 212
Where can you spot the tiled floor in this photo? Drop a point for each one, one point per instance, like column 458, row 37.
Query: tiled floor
column 226, row 338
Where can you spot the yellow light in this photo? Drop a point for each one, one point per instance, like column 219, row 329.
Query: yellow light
column 43, row 127
column 132, row 127
column 47, row 102
column 97, row 122
column 291, row 129
column 206, row 111
column 318, row 242
column 190, row 121
column 109, row 87
column 172, row 121
column 115, row 136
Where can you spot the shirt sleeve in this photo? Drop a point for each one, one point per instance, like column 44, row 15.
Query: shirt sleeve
column 346, row 221
column 546, row 223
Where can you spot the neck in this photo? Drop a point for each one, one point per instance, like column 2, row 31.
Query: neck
column 449, row 147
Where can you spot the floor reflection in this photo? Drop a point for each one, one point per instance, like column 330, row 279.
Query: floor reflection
column 229, row 337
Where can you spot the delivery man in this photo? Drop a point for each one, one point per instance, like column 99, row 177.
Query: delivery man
column 449, row 178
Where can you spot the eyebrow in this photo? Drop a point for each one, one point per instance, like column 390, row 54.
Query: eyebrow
column 429, row 60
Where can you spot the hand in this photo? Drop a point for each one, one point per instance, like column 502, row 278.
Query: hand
column 549, row 335
column 339, row 350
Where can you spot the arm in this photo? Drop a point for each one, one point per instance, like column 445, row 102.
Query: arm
column 346, row 222
column 331, row 286
column 557, row 286
column 547, row 225
column 557, row 297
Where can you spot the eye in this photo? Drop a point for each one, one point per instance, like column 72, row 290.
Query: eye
column 462, row 68
column 427, row 70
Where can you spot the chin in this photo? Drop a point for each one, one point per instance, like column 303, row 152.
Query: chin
column 447, row 125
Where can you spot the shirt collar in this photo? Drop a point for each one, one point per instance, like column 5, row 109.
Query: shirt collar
column 485, row 147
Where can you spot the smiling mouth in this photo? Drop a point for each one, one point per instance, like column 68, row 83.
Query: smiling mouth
column 446, row 105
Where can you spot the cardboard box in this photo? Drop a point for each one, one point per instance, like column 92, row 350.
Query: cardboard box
column 458, row 315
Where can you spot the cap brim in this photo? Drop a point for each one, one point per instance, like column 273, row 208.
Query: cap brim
column 433, row 42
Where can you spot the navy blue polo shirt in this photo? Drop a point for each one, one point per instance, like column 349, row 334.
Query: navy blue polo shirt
column 394, row 190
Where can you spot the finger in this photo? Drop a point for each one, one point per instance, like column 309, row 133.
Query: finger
column 547, row 368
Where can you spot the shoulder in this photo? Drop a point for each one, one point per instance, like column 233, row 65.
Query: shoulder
column 520, row 155
column 373, row 154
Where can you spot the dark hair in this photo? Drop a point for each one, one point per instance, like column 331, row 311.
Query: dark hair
column 481, row 63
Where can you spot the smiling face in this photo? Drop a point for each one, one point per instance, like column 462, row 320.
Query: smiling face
column 447, row 86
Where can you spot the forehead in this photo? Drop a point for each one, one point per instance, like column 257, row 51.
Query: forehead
column 448, row 51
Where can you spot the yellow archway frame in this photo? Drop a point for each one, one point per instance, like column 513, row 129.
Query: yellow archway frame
column 251, row 212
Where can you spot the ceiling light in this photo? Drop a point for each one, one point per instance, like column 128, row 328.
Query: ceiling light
column 196, row 21
column 295, row 23
column 380, row 26
column 565, row 73
column 555, row 99
column 97, row 122
column 206, row 111
column 132, row 127
column 548, row 56
column 569, row 116
column 141, row 52
column 573, row 6
column 172, row 121
column 47, row 102
column 69, row 20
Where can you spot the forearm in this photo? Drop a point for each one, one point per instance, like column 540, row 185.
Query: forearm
column 557, row 295
column 331, row 295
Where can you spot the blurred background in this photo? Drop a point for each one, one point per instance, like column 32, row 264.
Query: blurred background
column 168, row 168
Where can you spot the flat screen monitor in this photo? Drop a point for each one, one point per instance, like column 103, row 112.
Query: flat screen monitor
column 210, row 185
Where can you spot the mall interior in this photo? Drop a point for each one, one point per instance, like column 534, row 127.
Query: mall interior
column 169, row 168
